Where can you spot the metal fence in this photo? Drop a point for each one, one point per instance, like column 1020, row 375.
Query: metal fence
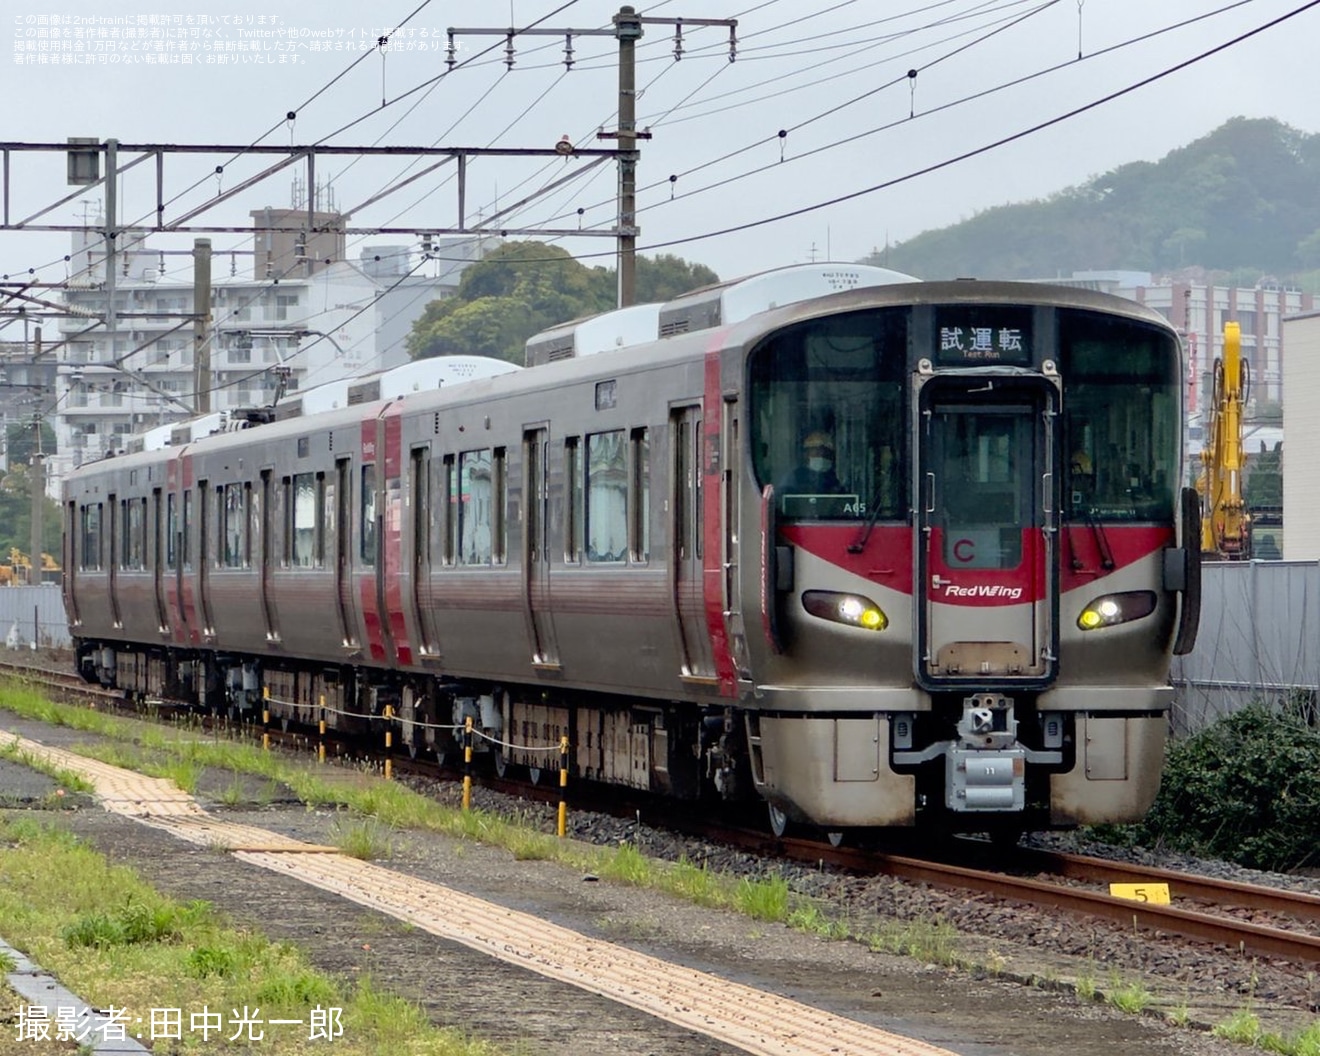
column 33, row 617
column 1259, row 639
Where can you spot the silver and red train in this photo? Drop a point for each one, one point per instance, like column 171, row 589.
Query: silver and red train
column 970, row 627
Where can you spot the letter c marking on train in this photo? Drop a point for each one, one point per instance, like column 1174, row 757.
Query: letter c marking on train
column 964, row 550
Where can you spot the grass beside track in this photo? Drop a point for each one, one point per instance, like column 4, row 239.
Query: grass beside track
column 379, row 810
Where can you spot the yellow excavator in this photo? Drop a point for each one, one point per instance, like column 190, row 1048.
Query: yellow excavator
column 1225, row 523
column 17, row 572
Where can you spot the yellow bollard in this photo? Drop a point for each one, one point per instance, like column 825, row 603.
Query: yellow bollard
column 320, row 748
column 265, row 719
column 389, row 717
column 467, row 763
column 563, row 787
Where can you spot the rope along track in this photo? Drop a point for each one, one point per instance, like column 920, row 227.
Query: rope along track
column 746, row 1018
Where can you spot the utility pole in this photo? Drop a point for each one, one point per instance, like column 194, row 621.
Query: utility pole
column 202, row 325
column 38, row 506
column 627, row 30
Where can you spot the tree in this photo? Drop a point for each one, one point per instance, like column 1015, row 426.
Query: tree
column 525, row 287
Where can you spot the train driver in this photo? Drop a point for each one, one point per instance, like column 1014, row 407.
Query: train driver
column 1081, row 477
column 815, row 474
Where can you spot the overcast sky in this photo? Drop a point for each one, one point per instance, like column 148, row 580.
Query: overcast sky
column 833, row 76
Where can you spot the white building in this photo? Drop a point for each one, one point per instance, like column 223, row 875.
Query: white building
column 275, row 332
column 1301, row 430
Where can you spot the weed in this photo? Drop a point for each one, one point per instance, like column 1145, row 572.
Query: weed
column 365, row 838
column 1086, row 987
column 628, row 865
column 1243, row 1027
column 763, row 899
column 1132, row 998
column 930, row 941
column 810, row 918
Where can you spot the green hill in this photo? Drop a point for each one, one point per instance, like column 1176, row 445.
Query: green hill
column 1243, row 199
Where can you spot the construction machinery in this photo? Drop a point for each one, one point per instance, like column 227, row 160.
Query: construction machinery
column 1225, row 523
column 17, row 571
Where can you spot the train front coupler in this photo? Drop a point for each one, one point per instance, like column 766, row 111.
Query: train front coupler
column 986, row 766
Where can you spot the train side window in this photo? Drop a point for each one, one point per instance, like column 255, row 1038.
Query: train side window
column 449, row 504
column 304, row 504
column 132, row 557
column 572, row 500
column 367, row 521
column 606, row 486
column 91, row 537
column 477, row 495
column 325, row 518
column 234, row 529
column 639, row 530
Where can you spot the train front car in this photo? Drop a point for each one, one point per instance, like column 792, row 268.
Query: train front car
column 971, row 574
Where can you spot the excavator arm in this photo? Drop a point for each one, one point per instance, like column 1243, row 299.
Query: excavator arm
column 1225, row 523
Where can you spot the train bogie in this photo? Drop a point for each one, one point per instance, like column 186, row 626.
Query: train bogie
column 958, row 611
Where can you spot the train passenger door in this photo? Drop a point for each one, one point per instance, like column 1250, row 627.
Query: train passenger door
column 988, row 532
column 685, row 562
column 730, row 453
column 205, row 529
column 156, row 556
column 113, row 555
column 343, row 499
column 536, row 551
column 421, row 497
column 263, row 525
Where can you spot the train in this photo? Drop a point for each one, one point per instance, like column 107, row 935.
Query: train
column 965, row 623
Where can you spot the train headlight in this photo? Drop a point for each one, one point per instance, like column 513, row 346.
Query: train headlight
column 851, row 609
column 1111, row 609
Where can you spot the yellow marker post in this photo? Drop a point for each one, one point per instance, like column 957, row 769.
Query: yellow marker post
column 265, row 718
column 389, row 738
column 320, row 748
column 467, row 763
column 563, row 787
column 1155, row 894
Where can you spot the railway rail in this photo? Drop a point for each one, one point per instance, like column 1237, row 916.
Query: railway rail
column 1292, row 934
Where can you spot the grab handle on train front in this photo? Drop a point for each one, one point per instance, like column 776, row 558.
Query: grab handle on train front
column 1182, row 571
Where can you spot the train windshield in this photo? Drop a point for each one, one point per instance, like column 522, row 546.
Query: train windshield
column 828, row 425
column 1121, row 424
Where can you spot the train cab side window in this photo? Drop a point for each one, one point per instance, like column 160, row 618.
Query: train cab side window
column 91, row 538
column 572, row 500
column 606, row 516
column 234, row 515
column 367, row 521
column 639, row 528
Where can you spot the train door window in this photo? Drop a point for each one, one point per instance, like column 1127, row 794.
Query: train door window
column 534, row 493
column 606, row 486
column 233, row 515
column 698, row 490
column 91, row 537
column 367, row 520
column 256, row 507
column 476, row 507
column 498, row 506
column 304, row 504
column 188, row 521
column 203, row 525
column 572, row 500
column 325, row 518
column 639, row 531
column 421, row 506
column 449, row 504
column 171, row 531
column 156, row 551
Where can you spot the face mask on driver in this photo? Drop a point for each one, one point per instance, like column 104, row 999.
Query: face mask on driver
column 819, row 465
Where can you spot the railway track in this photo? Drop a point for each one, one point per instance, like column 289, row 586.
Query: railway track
column 1270, row 922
